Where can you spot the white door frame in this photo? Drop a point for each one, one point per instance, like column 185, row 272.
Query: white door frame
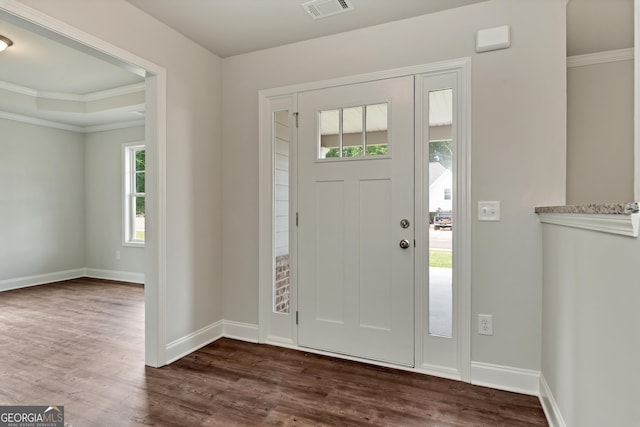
column 462, row 264
column 276, row 328
column 155, row 143
column 459, row 349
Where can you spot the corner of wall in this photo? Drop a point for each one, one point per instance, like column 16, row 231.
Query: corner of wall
column 549, row 405
column 221, row 329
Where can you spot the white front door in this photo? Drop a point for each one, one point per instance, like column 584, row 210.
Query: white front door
column 356, row 186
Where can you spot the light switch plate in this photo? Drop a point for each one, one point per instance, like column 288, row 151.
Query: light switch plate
column 489, row 211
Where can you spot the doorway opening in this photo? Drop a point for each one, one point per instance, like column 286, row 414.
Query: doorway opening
column 153, row 83
column 327, row 138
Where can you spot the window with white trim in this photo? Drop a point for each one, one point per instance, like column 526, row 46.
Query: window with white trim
column 134, row 194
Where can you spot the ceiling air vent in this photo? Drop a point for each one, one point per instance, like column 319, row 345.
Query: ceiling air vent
column 319, row 9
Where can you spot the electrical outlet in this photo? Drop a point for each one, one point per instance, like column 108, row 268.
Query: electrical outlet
column 117, row 255
column 485, row 324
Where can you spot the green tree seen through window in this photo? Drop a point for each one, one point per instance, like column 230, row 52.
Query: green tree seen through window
column 140, row 181
column 441, row 151
column 372, row 150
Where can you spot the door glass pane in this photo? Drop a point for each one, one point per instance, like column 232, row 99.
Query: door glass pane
column 352, row 136
column 330, row 141
column 377, row 135
column 353, row 132
column 282, row 151
column 441, row 214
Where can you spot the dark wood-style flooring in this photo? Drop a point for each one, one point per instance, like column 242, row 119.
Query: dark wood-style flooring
column 80, row 344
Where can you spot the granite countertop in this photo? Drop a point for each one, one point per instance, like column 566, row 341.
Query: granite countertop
column 600, row 209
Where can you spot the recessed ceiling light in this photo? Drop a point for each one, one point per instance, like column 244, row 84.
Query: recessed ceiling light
column 4, row 43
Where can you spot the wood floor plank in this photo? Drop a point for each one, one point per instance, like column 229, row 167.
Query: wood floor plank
column 80, row 343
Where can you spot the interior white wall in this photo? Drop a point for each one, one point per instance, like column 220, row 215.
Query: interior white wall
column 194, row 171
column 600, row 133
column 518, row 149
column 103, row 195
column 591, row 345
column 41, row 200
column 63, row 209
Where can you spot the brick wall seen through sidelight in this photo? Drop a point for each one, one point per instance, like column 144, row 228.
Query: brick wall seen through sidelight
column 282, row 284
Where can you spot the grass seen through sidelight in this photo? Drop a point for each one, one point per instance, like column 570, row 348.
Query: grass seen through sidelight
column 440, row 258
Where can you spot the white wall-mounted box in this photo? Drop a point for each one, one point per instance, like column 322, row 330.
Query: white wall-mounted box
column 493, row 38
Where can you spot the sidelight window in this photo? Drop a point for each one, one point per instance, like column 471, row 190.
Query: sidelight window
column 281, row 190
column 440, row 185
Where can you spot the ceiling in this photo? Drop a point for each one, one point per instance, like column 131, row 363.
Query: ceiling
column 229, row 28
column 48, row 77
column 233, row 27
column 23, row 63
column 599, row 25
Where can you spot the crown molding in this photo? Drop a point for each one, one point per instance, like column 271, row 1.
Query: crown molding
column 62, row 96
column 117, row 91
column 113, row 126
column 600, row 57
column 22, row 90
column 72, row 128
column 39, row 122
column 86, row 98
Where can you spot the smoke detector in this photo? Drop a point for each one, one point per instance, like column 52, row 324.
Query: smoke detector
column 319, row 9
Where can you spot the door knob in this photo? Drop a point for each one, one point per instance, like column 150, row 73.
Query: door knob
column 404, row 243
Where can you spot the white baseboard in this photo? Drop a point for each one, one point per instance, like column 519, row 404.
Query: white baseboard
column 40, row 279
column 549, row 405
column 439, row 371
column 121, row 276
column 506, row 378
column 241, row 331
column 281, row 342
column 223, row 328
column 58, row 276
column 188, row 344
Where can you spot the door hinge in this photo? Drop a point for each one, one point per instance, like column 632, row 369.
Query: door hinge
column 296, row 219
column 296, row 317
column 296, row 116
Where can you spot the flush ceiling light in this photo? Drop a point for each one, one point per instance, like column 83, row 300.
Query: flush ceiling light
column 4, row 43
